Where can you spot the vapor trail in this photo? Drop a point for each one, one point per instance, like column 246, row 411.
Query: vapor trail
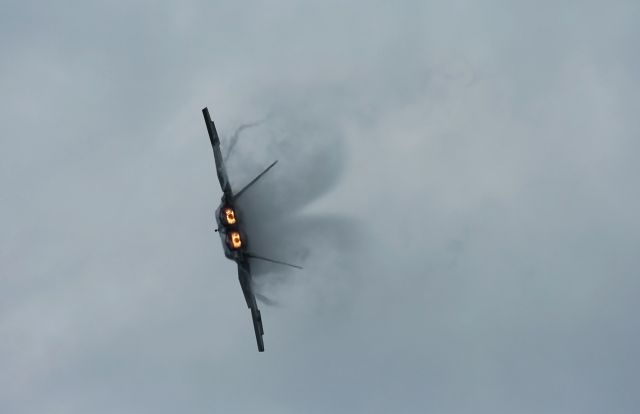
column 236, row 134
column 263, row 299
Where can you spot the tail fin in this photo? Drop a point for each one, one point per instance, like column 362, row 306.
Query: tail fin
column 246, row 187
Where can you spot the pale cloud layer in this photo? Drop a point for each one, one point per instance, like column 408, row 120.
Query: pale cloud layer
column 459, row 180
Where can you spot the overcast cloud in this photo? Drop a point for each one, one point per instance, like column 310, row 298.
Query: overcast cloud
column 460, row 181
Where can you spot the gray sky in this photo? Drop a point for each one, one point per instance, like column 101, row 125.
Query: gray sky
column 460, row 181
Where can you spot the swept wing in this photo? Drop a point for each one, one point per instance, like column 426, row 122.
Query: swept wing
column 217, row 154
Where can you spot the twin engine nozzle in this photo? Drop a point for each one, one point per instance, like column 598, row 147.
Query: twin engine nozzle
column 230, row 221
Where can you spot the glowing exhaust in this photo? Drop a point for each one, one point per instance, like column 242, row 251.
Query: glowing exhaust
column 235, row 240
column 230, row 215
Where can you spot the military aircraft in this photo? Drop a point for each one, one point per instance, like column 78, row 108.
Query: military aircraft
column 235, row 240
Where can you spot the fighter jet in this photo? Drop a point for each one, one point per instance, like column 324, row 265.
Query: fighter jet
column 235, row 241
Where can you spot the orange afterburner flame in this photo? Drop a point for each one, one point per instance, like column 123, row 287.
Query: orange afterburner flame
column 236, row 241
column 230, row 215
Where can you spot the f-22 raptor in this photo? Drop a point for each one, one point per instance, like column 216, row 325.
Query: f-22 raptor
column 233, row 235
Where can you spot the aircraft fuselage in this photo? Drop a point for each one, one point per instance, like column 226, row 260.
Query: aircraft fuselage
column 232, row 236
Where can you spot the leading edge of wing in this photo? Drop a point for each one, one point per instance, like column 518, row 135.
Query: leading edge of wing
column 244, row 275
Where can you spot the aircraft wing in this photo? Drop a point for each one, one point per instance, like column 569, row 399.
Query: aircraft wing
column 217, row 154
column 244, row 275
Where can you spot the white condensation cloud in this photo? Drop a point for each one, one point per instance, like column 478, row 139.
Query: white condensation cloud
column 463, row 195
